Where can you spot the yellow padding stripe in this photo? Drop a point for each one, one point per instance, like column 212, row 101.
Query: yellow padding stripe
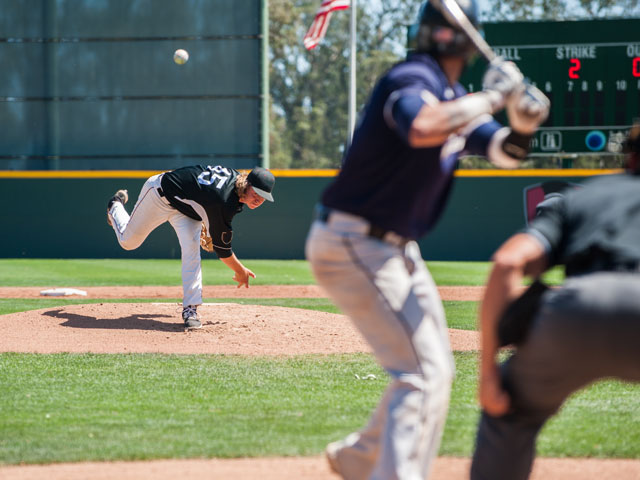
column 77, row 173
column 540, row 172
column 141, row 173
column 306, row 173
column 568, row 172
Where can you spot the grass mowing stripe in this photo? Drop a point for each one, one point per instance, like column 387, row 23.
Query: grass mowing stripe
column 14, row 305
column 459, row 314
column 476, row 273
column 66, row 407
column 462, row 315
column 604, row 422
column 94, row 272
column 105, row 407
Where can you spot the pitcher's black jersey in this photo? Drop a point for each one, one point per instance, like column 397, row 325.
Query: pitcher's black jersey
column 207, row 194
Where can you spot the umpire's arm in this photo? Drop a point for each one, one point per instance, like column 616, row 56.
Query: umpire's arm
column 520, row 256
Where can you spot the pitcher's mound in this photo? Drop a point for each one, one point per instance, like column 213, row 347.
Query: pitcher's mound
column 157, row 328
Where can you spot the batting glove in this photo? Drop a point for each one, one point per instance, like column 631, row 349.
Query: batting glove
column 501, row 79
column 527, row 109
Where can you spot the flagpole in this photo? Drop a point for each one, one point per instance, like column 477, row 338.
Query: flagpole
column 352, row 71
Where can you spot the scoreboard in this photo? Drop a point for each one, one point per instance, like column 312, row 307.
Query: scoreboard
column 589, row 70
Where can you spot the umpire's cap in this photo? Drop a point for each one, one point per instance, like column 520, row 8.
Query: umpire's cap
column 262, row 181
column 437, row 36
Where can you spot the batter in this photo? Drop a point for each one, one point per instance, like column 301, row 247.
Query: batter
column 392, row 188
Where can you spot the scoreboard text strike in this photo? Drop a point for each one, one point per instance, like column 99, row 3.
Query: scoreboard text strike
column 590, row 70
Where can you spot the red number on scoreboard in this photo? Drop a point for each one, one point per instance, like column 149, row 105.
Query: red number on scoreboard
column 574, row 68
column 635, row 67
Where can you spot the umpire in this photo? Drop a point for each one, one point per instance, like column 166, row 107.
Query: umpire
column 586, row 330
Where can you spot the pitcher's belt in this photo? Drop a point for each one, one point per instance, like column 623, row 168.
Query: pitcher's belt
column 162, row 196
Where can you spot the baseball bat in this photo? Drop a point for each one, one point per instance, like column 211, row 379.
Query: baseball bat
column 454, row 14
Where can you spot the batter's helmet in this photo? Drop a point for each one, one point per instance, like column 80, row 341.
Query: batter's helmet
column 439, row 37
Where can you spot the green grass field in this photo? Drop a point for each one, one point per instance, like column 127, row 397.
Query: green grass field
column 75, row 407
column 87, row 273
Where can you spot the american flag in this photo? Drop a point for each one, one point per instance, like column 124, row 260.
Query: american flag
column 321, row 21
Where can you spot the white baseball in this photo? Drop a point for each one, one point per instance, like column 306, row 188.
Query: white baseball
column 180, row 56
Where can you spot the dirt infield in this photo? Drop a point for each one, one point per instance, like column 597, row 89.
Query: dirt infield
column 292, row 468
column 157, row 328
column 227, row 328
column 230, row 329
column 221, row 291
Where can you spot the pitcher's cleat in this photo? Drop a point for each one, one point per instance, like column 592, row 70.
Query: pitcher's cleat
column 191, row 318
column 121, row 196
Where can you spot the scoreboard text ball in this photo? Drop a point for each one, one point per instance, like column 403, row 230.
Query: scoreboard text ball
column 590, row 70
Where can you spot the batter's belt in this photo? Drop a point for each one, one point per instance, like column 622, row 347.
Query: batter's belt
column 335, row 217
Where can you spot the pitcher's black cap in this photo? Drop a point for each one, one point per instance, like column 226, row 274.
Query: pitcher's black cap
column 262, row 181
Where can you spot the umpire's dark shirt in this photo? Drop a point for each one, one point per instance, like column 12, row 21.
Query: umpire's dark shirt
column 595, row 228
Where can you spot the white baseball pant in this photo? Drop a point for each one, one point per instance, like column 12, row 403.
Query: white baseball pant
column 391, row 298
column 152, row 210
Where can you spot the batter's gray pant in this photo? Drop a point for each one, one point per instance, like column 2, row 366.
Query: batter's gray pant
column 389, row 295
column 587, row 330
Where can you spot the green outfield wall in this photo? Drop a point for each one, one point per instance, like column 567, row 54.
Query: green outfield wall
column 93, row 84
column 64, row 216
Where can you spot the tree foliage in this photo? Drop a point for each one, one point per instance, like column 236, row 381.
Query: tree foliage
column 309, row 90
column 505, row 10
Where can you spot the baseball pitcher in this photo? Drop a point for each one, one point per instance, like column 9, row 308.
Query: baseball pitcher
column 199, row 203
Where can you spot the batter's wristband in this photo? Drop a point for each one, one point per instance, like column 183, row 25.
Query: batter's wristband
column 517, row 145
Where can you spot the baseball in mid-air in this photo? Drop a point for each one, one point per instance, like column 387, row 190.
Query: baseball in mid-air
column 181, row 56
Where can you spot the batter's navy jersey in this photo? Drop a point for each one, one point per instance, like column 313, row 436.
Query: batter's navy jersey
column 207, row 194
column 385, row 180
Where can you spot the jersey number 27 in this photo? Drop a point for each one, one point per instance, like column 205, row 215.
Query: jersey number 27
column 214, row 174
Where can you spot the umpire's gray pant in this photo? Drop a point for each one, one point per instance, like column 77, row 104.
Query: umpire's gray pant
column 587, row 330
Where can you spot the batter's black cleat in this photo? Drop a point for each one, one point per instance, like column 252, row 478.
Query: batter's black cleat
column 191, row 318
column 121, row 196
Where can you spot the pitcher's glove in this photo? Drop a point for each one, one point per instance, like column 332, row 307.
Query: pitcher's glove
column 205, row 239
